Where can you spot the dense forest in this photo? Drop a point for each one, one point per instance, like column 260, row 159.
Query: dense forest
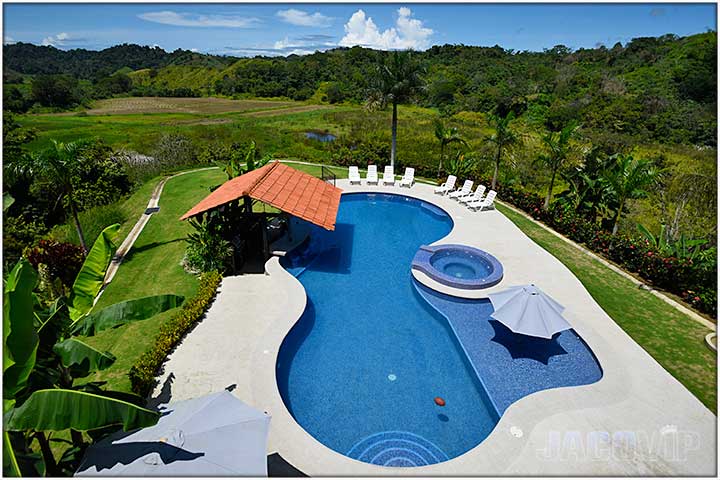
column 651, row 89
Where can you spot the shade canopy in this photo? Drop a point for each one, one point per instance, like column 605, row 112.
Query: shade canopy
column 528, row 310
column 214, row 435
column 285, row 188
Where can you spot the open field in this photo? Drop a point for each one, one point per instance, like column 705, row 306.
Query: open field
column 204, row 105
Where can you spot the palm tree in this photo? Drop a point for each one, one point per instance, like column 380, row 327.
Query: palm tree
column 397, row 81
column 504, row 138
column 559, row 148
column 446, row 136
column 56, row 165
column 627, row 179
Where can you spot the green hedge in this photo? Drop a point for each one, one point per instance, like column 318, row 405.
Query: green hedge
column 143, row 373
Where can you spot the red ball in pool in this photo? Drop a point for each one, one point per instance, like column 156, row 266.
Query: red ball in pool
column 439, row 401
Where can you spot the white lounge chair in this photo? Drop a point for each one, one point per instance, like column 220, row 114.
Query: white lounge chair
column 371, row 176
column 354, row 175
column 475, row 197
column 464, row 191
column 409, row 178
column 484, row 203
column 388, row 176
column 447, row 186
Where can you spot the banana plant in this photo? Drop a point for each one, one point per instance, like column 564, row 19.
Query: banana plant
column 683, row 248
column 46, row 364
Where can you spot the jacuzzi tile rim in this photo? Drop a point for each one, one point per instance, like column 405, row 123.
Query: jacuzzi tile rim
column 423, row 262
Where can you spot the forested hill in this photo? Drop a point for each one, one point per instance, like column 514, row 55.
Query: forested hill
column 657, row 89
column 31, row 59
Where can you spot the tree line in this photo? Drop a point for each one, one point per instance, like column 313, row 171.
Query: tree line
column 653, row 89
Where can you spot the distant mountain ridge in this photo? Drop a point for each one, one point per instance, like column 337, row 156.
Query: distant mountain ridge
column 27, row 58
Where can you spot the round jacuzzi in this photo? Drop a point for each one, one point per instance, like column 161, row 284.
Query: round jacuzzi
column 458, row 266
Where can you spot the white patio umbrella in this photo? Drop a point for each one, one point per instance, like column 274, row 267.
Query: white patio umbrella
column 527, row 310
column 214, row 435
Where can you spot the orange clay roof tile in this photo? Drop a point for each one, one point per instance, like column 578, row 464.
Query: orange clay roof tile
column 285, row 188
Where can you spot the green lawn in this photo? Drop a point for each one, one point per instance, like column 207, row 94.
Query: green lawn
column 152, row 267
column 672, row 338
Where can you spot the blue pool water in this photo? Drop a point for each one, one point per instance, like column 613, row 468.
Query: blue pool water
column 363, row 365
column 460, row 265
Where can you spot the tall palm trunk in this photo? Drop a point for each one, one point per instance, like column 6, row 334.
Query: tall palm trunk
column 78, row 227
column 616, row 218
column 442, row 154
column 550, row 189
column 497, row 168
column 394, row 135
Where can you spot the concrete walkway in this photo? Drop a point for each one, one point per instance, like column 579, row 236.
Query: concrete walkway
column 637, row 420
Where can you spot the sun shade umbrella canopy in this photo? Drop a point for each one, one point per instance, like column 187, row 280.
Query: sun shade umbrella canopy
column 528, row 310
column 214, row 435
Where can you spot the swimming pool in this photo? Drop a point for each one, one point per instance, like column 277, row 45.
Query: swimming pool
column 361, row 368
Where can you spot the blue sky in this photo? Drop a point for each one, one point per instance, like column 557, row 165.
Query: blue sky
column 281, row 29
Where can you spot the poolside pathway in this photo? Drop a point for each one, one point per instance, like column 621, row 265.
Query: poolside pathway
column 636, row 420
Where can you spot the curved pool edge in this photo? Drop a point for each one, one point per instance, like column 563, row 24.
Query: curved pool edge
column 537, row 414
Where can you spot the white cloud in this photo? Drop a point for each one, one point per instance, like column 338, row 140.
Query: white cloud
column 304, row 19
column 308, row 46
column 408, row 32
column 8, row 40
column 303, row 45
column 168, row 17
column 56, row 40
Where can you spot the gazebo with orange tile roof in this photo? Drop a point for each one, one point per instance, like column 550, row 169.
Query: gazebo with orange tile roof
column 285, row 188
column 281, row 186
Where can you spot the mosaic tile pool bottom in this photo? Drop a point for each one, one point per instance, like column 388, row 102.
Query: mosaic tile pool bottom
column 397, row 449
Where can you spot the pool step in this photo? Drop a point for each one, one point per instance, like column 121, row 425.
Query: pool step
column 397, row 449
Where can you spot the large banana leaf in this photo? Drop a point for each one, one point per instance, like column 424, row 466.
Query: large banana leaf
column 59, row 409
column 10, row 463
column 20, row 340
column 7, row 201
column 90, row 279
column 123, row 312
column 81, row 358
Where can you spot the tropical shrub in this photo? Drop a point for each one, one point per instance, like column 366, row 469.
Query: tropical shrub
column 18, row 233
column 143, row 372
column 207, row 250
column 100, row 179
column 461, row 165
column 63, row 260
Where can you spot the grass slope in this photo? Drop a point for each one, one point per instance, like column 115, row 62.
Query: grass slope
column 672, row 338
column 152, row 267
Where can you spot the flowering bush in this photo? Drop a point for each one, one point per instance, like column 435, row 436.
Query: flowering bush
column 63, row 260
column 694, row 282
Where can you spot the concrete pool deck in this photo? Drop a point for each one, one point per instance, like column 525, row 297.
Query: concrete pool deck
column 636, row 420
